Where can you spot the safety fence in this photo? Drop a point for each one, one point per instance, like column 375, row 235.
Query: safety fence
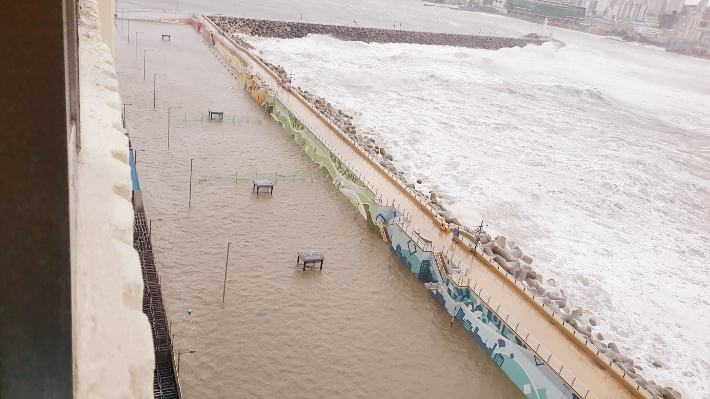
column 245, row 176
column 555, row 314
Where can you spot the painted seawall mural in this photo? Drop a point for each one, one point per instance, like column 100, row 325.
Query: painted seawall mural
column 532, row 375
column 348, row 184
column 534, row 378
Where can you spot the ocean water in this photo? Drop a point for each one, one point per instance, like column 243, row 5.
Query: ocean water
column 594, row 157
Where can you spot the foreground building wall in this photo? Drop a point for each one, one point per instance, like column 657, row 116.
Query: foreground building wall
column 113, row 348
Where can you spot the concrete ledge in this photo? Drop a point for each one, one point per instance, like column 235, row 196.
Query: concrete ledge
column 113, row 348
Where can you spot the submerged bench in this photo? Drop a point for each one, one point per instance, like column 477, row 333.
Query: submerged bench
column 258, row 184
column 310, row 257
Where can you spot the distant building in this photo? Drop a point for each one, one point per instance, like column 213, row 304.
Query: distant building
column 646, row 31
column 540, row 9
column 601, row 7
column 666, row 21
column 500, row 5
column 629, row 10
column 656, row 6
column 692, row 24
column 674, row 5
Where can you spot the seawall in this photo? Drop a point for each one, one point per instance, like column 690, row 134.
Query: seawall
column 292, row 30
column 540, row 351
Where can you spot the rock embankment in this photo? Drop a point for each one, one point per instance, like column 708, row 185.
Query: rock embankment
column 293, row 30
column 512, row 259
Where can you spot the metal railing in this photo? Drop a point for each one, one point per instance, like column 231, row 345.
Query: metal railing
column 422, row 243
column 561, row 371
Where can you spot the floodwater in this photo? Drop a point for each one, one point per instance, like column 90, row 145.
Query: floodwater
column 362, row 327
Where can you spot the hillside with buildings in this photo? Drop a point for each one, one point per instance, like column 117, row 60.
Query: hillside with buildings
column 672, row 24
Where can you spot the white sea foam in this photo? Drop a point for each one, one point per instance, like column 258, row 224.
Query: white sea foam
column 594, row 158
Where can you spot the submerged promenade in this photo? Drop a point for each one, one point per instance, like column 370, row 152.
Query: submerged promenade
column 553, row 358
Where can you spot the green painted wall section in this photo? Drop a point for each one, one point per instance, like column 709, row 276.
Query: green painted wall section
column 356, row 192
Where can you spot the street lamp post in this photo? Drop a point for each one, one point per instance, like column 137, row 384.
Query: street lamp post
column 137, row 44
column 150, row 232
column 169, row 108
column 135, row 156
column 178, row 365
column 144, row 51
column 124, row 113
column 154, row 75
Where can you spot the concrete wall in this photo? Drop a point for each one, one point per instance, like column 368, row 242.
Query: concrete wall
column 530, row 374
column 113, row 346
column 347, row 182
column 106, row 11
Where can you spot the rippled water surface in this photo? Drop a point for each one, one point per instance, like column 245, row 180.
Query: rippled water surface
column 363, row 327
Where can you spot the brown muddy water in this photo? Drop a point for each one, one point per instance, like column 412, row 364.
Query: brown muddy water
column 363, row 327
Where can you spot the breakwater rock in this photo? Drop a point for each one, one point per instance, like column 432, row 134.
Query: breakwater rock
column 292, row 30
column 511, row 258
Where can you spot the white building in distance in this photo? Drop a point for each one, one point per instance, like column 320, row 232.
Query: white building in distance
column 691, row 32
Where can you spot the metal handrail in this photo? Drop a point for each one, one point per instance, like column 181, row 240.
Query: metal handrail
column 533, row 344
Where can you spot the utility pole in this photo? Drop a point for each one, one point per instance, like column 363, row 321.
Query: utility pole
column 478, row 238
column 224, row 290
column 124, row 113
column 169, row 108
column 135, row 156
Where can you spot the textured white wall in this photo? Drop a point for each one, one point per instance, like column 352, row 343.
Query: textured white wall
column 113, row 348
column 106, row 9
